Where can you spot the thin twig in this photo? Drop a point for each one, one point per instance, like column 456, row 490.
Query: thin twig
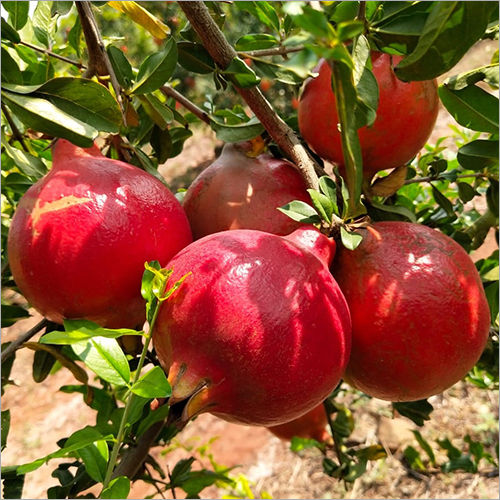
column 361, row 16
column 54, row 55
column 190, row 106
column 336, row 446
column 274, row 51
column 223, row 53
column 430, row 178
column 13, row 127
column 154, row 482
column 99, row 63
column 172, row 488
column 16, row 344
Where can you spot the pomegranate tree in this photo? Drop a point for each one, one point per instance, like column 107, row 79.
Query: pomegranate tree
column 419, row 313
column 406, row 115
column 81, row 234
column 259, row 333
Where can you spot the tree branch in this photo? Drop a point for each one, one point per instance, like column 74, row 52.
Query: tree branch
column 15, row 131
column 99, row 63
column 23, row 338
column 222, row 53
column 190, row 106
column 53, row 54
column 274, row 51
column 430, row 178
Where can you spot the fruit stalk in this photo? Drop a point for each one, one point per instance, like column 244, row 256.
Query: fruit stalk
column 221, row 51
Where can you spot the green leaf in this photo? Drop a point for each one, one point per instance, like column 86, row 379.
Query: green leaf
column 256, row 41
column 156, row 110
column 79, row 330
column 10, row 69
column 12, row 313
column 449, row 31
column 349, row 239
column 43, row 116
column 416, row 411
column 348, row 30
column 153, row 416
column 425, row 446
column 121, row 66
column 104, row 357
column 153, row 384
column 78, row 440
column 156, row 69
column 5, row 427
column 241, row 74
column 391, row 212
column 300, row 212
column 95, row 457
column 491, row 292
column 442, row 201
column 118, row 488
column 263, row 11
column 479, row 154
column 311, row 20
column 60, row 8
column 9, row 33
column 298, row 444
column 162, row 144
column 471, row 107
column 43, row 361
column 12, row 482
column 466, row 192
column 328, row 187
column 28, row 164
column 413, row 458
column 236, row 133
column 278, row 72
column 75, row 36
column 18, row 13
column 195, row 58
column 322, row 204
column 488, row 73
column 43, row 23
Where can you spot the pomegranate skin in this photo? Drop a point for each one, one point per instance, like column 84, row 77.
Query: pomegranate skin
column 311, row 425
column 260, row 321
column 241, row 192
column 405, row 117
column 419, row 313
column 80, row 236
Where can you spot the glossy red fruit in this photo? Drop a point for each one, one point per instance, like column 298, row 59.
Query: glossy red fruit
column 241, row 192
column 419, row 313
column 405, row 117
column 311, row 425
column 259, row 333
column 80, row 236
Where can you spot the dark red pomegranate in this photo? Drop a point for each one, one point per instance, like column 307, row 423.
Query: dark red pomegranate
column 419, row 313
column 259, row 333
column 238, row 191
column 80, row 236
column 311, row 425
column 405, row 117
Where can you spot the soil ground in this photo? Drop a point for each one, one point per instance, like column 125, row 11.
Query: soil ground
column 41, row 415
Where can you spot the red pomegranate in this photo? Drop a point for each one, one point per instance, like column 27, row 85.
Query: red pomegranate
column 311, row 425
column 259, row 333
column 405, row 117
column 419, row 313
column 80, row 236
column 241, row 192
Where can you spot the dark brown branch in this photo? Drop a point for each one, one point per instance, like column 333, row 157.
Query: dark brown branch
column 361, row 16
column 190, row 106
column 430, row 178
column 222, row 53
column 53, row 54
column 99, row 63
column 15, row 131
column 274, row 51
column 16, row 344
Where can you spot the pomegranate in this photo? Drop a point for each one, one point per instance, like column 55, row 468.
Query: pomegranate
column 259, row 333
column 240, row 192
column 419, row 313
column 80, row 236
column 405, row 117
column 311, row 425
